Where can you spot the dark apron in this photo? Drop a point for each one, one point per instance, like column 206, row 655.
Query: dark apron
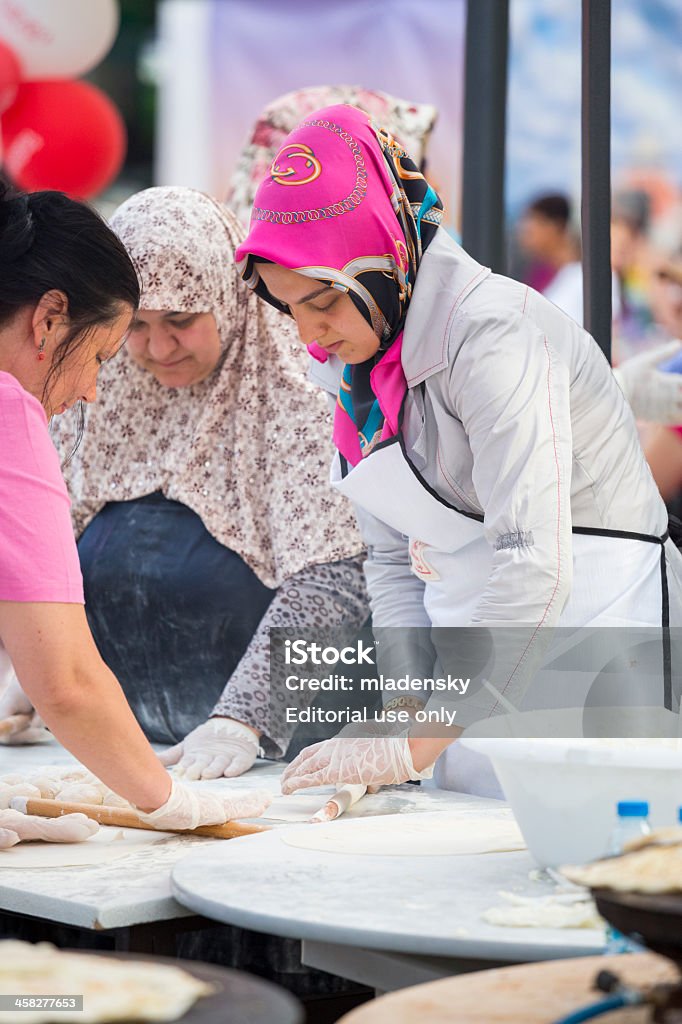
column 172, row 610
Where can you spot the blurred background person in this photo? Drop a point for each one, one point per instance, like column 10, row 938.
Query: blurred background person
column 663, row 445
column 545, row 239
column 632, row 262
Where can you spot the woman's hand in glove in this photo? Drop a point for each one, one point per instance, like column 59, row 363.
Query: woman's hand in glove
column 188, row 808
column 219, row 747
column 373, row 762
column 19, row 722
column 654, row 395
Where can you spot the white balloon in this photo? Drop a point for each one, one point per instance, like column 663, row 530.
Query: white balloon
column 58, row 38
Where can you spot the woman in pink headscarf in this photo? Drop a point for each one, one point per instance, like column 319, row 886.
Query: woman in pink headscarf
column 492, row 459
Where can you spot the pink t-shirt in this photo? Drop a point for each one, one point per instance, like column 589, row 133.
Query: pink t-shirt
column 38, row 554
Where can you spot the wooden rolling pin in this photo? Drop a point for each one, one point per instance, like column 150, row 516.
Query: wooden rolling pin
column 123, row 818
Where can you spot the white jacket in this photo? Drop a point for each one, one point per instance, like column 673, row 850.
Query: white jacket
column 512, row 413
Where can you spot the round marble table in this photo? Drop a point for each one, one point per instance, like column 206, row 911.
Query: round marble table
column 419, row 905
column 532, row 993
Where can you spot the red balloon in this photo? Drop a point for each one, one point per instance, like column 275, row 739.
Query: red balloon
column 10, row 75
column 63, row 135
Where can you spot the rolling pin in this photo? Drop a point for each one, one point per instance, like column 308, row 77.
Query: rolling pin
column 119, row 816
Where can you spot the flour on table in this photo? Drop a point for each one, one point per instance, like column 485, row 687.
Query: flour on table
column 403, row 836
column 106, row 845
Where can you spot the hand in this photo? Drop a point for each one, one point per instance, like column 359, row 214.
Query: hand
column 219, row 747
column 19, row 722
column 69, row 828
column 373, row 762
column 188, row 808
column 653, row 394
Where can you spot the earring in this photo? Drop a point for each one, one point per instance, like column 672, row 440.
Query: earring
column 41, row 354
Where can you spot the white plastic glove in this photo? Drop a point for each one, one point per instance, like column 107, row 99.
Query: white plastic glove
column 188, row 808
column 653, row 394
column 219, row 747
column 12, row 789
column 69, row 828
column 15, row 706
column 372, row 762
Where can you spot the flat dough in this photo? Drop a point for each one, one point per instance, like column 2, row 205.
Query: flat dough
column 396, row 836
column 550, row 911
column 106, row 845
column 111, row 989
column 545, row 915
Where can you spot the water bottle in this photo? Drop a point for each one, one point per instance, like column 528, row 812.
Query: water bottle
column 633, row 822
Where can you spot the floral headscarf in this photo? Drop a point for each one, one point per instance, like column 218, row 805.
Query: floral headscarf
column 236, row 448
column 345, row 205
column 411, row 125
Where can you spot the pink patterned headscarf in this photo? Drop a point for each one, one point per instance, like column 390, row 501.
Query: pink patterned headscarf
column 410, row 123
column 345, row 205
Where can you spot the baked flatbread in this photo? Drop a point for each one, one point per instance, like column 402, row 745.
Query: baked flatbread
column 651, row 869
column 112, row 990
column 670, row 836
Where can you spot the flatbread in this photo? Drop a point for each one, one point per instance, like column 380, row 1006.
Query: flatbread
column 652, row 870
column 396, row 836
column 670, row 835
column 106, row 845
column 112, row 990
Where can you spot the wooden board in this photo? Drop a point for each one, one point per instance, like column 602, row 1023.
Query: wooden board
column 531, row 993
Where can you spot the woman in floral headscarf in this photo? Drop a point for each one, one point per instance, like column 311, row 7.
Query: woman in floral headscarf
column 410, row 123
column 493, row 460
column 199, row 495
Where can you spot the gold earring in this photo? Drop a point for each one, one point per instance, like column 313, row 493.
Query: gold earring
column 41, row 354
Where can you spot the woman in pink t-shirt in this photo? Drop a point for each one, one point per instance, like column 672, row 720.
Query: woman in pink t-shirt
column 68, row 293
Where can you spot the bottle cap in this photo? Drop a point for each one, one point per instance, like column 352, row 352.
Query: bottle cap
column 633, row 809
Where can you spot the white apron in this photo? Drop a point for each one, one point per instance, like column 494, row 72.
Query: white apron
column 450, row 553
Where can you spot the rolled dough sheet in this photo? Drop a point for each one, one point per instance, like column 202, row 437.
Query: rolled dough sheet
column 106, row 845
column 416, row 836
column 299, row 807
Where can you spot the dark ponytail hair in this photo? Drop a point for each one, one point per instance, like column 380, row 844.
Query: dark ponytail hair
column 48, row 241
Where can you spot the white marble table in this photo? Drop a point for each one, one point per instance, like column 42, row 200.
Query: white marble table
column 135, row 890
column 385, row 921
